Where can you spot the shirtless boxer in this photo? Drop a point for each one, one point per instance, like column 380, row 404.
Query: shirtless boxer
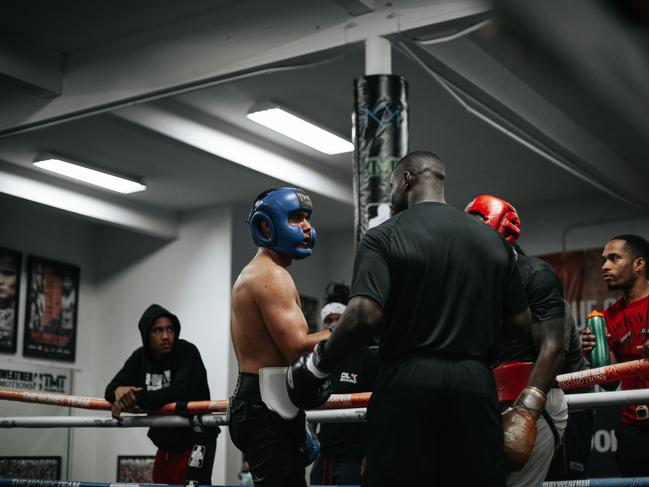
column 269, row 330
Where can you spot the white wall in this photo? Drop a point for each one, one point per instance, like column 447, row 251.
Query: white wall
column 121, row 274
column 577, row 224
column 191, row 277
column 42, row 231
column 339, row 249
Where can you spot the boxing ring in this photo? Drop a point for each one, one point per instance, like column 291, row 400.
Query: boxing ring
column 618, row 482
column 339, row 408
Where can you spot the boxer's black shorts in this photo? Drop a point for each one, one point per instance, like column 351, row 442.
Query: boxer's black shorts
column 272, row 446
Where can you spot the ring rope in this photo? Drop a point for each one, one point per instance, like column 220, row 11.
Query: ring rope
column 348, row 415
column 611, row 482
column 574, row 380
column 207, row 420
column 602, row 375
column 336, row 401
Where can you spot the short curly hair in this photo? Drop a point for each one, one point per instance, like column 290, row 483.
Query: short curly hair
column 337, row 292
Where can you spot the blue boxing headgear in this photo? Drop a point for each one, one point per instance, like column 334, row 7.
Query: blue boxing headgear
column 274, row 208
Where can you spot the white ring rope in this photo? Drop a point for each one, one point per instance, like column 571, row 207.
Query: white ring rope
column 575, row 402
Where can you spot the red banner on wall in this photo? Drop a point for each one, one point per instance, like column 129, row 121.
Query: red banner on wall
column 580, row 272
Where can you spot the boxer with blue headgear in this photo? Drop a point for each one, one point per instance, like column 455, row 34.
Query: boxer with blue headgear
column 269, row 331
column 274, row 208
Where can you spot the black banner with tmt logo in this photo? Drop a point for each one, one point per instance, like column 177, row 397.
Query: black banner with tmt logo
column 380, row 139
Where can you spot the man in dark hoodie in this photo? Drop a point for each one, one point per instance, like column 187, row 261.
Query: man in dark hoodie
column 166, row 369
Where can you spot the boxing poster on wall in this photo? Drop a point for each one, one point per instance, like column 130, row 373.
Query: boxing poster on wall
column 135, row 469
column 10, row 261
column 41, row 468
column 51, row 309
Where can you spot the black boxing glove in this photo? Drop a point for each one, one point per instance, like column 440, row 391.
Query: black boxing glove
column 307, row 379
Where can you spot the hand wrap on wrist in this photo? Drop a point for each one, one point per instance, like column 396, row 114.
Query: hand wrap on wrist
column 532, row 399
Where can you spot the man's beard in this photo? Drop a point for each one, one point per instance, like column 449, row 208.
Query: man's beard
column 621, row 286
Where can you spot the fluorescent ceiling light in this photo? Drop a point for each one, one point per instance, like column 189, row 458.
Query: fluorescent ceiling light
column 287, row 124
column 236, row 150
column 90, row 176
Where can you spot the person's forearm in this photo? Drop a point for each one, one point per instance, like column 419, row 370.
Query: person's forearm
column 547, row 337
column 354, row 329
column 348, row 337
column 547, row 366
column 312, row 339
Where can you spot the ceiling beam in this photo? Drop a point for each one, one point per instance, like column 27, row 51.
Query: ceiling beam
column 236, row 150
column 490, row 91
column 36, row 68
column 157, row 223
column 198, row 52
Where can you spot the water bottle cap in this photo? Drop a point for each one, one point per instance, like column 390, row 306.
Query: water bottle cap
column 594, row 313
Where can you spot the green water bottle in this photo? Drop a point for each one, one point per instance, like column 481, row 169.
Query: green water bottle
column 597, row 324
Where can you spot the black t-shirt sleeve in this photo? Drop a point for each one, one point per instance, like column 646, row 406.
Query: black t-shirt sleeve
column 545, row 296
column 515, row 300
column 371, row 276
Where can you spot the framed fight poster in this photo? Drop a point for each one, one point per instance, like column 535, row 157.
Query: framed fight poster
column 51, row 309
column 10, row 261
column 135, row 469
column 41, row 468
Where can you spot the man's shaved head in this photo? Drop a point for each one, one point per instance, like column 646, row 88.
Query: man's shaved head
column 422, row 163
column 419, row 176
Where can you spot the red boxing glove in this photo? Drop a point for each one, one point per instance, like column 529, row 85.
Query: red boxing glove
column 519, row 427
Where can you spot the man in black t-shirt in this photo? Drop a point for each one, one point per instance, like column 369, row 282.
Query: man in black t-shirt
column 531, row 359
column 439, row 285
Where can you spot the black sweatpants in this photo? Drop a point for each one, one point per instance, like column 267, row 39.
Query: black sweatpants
column 273, row 447
column 434, row 421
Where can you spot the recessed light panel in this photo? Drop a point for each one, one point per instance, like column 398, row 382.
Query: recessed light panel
column 90, row 176
column 300, row 130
